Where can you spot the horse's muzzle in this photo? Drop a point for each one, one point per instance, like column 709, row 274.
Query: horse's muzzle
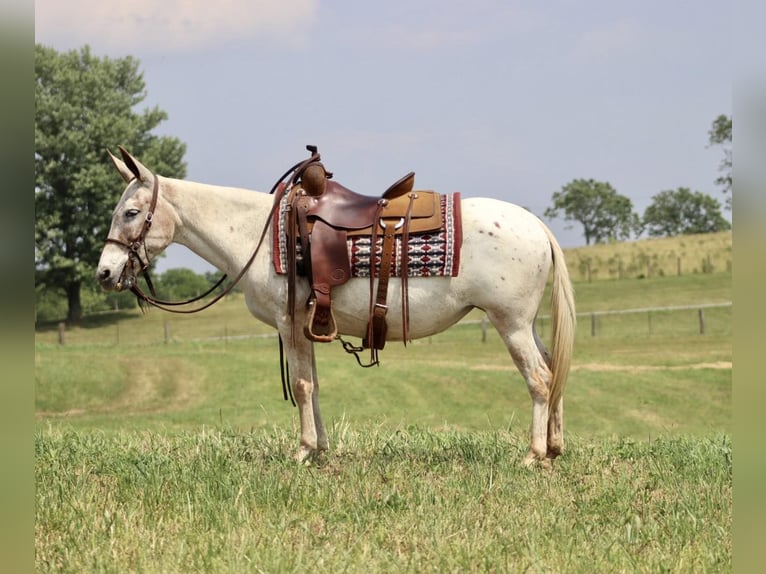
column 112, row 282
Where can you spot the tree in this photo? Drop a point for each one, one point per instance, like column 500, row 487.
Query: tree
column 604, row 214
column 181, row 283
column 84, row 104
column 720, row 134
column 681, row 211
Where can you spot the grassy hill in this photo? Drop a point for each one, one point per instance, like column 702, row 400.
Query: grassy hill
column 681, row 255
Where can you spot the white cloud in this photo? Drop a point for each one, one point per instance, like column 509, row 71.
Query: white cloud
column 143, row 27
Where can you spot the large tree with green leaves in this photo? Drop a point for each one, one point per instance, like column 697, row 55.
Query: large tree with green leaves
column 84, row 104
column 604, row 214
column 681, row 211
column 720, row 134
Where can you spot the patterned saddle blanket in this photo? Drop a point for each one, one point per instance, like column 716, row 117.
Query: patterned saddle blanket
column 431, row 254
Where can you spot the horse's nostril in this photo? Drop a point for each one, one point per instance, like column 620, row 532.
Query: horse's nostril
column 104, row 274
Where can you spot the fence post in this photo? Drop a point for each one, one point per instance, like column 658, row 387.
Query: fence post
column 592, row 324
column 167, row 331
column 62, row 329
column 701, row 314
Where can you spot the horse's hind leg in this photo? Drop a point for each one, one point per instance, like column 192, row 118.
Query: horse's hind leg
column 533, row 366
column 556, row 430
column 556, row 412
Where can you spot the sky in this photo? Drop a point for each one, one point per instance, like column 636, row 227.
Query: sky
column 494, row 98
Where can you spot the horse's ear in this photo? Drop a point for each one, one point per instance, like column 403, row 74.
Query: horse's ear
column 121, row 167
column 135, row 167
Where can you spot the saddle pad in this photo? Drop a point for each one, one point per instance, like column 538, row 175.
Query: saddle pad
column 433, row 254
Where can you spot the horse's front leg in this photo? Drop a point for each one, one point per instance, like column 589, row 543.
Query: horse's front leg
column 321, row 434
column 302, row 364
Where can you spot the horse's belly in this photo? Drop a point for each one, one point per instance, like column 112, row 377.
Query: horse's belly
column 433, row 307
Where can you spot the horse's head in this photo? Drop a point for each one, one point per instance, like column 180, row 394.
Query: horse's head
column 141, row 226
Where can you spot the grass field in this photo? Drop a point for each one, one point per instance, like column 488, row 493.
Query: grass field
column 175, row 457
column 647, row 258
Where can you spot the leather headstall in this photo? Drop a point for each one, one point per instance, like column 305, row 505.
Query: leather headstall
column 134, row 246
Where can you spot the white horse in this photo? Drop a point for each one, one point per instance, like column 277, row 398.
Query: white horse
column 506, row 257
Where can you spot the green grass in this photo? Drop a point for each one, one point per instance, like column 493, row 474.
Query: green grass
column 176, row 457
column 659, row 257
column 663, row 383
column 616, row 294
column 403, row 500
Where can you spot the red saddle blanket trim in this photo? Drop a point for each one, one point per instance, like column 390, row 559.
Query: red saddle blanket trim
column 433, row 254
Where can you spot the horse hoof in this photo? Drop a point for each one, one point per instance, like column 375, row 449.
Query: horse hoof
column 553, row 452
column 531, row 460
column 303, row 454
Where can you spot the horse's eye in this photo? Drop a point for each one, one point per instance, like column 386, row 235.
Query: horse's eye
column 131, row 213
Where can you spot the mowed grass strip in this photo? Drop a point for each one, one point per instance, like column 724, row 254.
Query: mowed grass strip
column 404, row 500
column 620, row 387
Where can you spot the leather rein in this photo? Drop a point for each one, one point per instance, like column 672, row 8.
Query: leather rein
column 135, row 246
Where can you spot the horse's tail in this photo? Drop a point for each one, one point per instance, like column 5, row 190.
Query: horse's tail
column 564, row 319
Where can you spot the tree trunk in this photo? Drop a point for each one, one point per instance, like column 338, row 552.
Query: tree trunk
column 74, row 312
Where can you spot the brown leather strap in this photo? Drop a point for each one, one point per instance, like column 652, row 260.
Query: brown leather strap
column 377, row 329
column 303, row 230
column 292, row 272
column 373, row 247
column 405, row 261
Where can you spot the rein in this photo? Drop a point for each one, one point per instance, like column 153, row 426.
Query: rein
column 134, row 246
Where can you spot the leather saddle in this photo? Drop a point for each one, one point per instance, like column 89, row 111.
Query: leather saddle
column 322, row 215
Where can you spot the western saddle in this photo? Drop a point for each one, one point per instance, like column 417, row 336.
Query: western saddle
column 322, row 215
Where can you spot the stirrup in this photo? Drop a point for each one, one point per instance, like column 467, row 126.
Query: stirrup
column 330, row 329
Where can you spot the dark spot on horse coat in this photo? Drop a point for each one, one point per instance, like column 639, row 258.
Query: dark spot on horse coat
column 496, row 225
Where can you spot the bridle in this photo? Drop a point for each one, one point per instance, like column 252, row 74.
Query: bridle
column 135, row 246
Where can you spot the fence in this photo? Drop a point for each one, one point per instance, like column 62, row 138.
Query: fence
column 594, row 318
column 700, row 309
column 704, row 318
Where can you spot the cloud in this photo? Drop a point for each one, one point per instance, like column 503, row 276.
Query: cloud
column 159, row 26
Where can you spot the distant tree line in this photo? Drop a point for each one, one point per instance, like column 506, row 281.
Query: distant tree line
column 173, row 285
column 608, row 216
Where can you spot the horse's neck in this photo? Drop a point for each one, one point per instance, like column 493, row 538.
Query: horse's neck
column 220, row 224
